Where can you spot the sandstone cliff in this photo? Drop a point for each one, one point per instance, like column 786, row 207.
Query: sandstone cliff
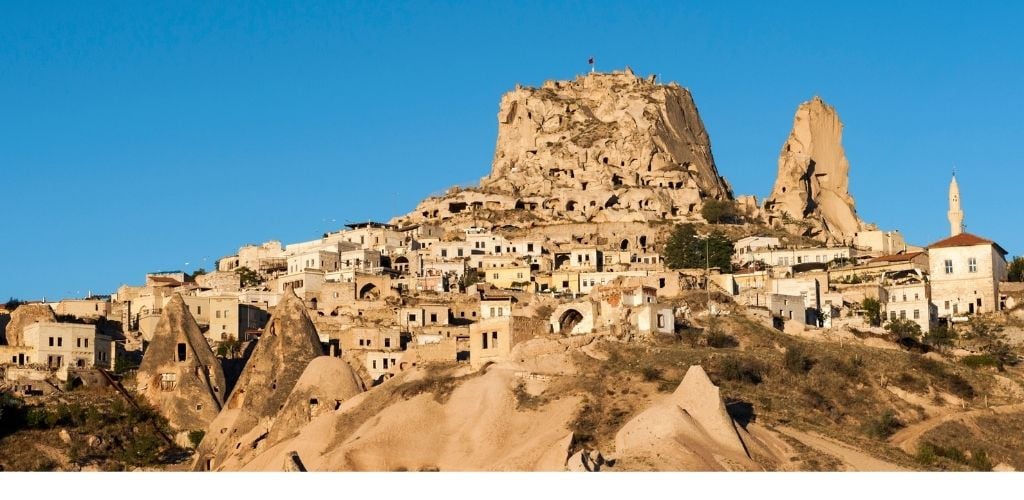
column 603, row 147
column 812, row 186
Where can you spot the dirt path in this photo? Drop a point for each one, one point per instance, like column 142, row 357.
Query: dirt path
column 906, row 439
column 855, row 460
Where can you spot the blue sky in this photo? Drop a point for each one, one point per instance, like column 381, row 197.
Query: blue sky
column 146, row 135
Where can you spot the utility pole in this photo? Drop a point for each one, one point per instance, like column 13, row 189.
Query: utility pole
column 707, row 271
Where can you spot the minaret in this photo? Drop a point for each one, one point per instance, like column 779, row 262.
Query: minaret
column 956, row 216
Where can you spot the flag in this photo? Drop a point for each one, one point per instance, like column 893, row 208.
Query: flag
column 591, row 60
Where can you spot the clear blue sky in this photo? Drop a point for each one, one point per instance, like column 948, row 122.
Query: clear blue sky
column 142, row 136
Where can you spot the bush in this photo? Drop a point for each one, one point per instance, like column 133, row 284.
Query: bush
column 928, row 453
column 900, row 329
column 749, row 371
column 797, row 361
column 979, row 360
column 718, row 211
column 650, row 373
column 884, row 426
column 720, row 340
column 196, row 437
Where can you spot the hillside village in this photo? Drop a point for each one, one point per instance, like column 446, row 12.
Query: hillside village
column 479, row 305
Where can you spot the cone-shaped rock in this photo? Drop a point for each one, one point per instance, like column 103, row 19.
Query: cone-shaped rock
column 23, row 316
column 287, row 346
column 179, row 373
column 700, row 398
column 813, row 178
column 326, row 383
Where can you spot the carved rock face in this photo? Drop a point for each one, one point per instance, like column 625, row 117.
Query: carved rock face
column 813, row 179
column 603, row 147
column 179, row 373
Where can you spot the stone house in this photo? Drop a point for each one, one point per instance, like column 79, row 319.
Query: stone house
column 492, row 340
column 907, row 295
column 60, row 346
column 965, row 272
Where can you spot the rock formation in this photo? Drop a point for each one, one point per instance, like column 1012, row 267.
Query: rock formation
column 812, row 186
column 701, row 399
column 690, row 430
column 23, row 316
column 179, row 374
column 323, row 386
column 603, row 147
column 287, row 346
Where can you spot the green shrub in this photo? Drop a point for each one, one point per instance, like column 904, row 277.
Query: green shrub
column 650, row 373
column 884, row 426
column 797, row 360
column 979, row 461
column 979, row 360
column 720, row 340
column 744, row 370
column 196, row 437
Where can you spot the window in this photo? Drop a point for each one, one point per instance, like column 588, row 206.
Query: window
column 972, row 265
column 433, row 317
column 483, row 340
column 917, row 314
column 412, row 318
column 387, row 343
column 78, row 342
column 181, row 352
column 949, row 266
column 494, row 339
column 661, row 321
column 892, row 315
column 86, row 343
column 947, row 305
column 60, row 341
column 51, row 341
column 501, row 311
column 218, row 314
column 168, row 381
column 385, row 363
column 903, row 314
column 374, row 364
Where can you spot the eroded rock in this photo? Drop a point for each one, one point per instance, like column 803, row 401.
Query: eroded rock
column 812, row 184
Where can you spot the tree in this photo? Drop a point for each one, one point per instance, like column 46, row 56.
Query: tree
column 230, row 347
column 1016, row 272
column 247, row 277
column 686, row 249
column 872, row 311
column 901, row 329
column 940, row 337
column 718, row 211
column 12, row 304
column 198, row 272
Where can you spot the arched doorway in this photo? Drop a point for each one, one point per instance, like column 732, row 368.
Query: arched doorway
column 569, row 320
column 369, row 291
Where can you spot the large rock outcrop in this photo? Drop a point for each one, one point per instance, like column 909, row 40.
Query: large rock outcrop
column 811, row 192
column 689, row 430
column 287, row 346
column 603, row 147
column 23, row 316
column 179, row 373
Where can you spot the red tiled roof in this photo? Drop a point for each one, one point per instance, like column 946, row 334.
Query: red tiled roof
column 900, row 257
column 965, row 240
